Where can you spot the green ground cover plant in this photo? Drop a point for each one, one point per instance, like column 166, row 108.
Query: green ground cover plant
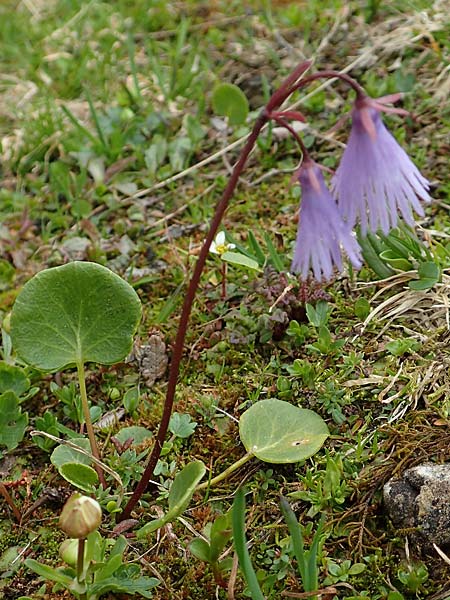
column 121, row 127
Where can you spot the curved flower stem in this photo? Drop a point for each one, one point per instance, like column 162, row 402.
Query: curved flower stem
column 87, row 420
column 185, row 314
column 231, row 469
column 330, row 74
column 278, row 97
column 283, row 123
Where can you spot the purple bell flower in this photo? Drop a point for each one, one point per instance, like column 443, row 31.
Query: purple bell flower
column 321, row 233
column 376, row 179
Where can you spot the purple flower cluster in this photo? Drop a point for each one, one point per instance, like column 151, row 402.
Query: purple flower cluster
column 375, row 181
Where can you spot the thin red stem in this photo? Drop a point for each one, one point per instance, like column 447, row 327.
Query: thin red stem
column 330, row 74
column 281, row 121
column 275, row 101
column 185, row 313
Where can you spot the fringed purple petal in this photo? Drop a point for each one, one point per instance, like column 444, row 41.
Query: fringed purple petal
column 376, row 180
column 321, row 234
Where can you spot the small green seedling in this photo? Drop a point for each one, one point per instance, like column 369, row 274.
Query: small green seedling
column 209, row 550
column 240, row 546
column 413, row 574
column 70, row 315
column 13, row 421
column 181, row 492
column 14, row 389
column 277, row 432
column 307, row 562
column 95, row 565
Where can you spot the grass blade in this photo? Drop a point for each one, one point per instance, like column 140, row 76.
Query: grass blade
column 72, row 118
column 297, row 540
column 240, row 545
column 254, row 245
column 312, row 555
column 98, row 127
column 274, row 256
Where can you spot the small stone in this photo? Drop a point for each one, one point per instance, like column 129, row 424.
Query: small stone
column 420, row 500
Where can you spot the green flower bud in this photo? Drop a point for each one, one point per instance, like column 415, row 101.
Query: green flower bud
column 80, row 516
column 68, row 551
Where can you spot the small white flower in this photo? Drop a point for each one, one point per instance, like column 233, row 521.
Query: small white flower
column 219, row 245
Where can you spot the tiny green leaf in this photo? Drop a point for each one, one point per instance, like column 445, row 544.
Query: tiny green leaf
column 80, row 312
column 362, row 308
column 235, row 258
column 137, row 433
column 429, row 274
column 278, row 432
column 200, row 549
column 230, row 101
column 182, row 425
column 402, row 346
column 181, row 492
column 395, row 261
column 49, row 572
column 65, row 454
column 79, row 475
column 131, row 400
column 183, row 487
column 7, row 273
column 13, row 379
column 12, row 421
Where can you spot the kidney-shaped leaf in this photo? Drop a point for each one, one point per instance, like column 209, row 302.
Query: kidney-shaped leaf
column 80, row 312
column 229, row 100
column 79, row 475
column 65, row 454
column 278, row 432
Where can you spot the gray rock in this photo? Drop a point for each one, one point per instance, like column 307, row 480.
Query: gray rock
column 420, row 500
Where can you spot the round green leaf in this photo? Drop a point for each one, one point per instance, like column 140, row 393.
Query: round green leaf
column 79, row 475
column 66, row 454
column 80, row 312
column 230, row 101
column 278, row 432
column 137, row 433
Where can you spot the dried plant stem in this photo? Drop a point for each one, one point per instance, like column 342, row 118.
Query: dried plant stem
column 7, row 496
column 87, row 419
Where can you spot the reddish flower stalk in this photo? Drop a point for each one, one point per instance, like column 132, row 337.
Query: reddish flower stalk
column 329, row 74
column 276, row 100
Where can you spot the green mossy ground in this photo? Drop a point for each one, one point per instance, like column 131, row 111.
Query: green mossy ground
column 100, row 104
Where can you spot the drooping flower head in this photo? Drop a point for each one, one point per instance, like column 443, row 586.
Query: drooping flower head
column 321, row 234
column 376, row 180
